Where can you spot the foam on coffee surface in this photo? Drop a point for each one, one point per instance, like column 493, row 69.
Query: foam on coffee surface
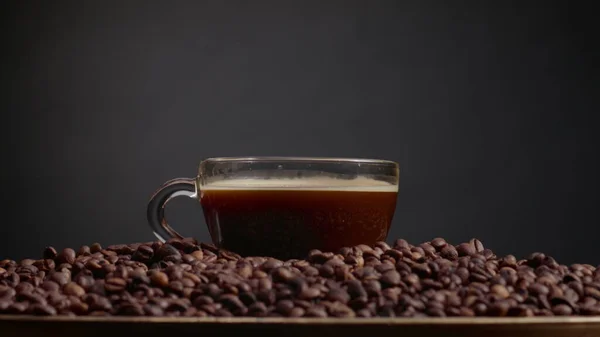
column 361, row 184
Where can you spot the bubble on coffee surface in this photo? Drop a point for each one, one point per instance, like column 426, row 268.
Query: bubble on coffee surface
column 362, row 184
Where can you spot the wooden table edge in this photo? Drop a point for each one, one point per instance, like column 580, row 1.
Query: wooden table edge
column 571, row 320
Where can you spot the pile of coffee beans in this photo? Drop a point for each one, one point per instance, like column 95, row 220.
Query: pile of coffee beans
column 184, row 278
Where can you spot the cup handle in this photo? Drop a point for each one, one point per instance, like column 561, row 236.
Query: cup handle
column 156, row 207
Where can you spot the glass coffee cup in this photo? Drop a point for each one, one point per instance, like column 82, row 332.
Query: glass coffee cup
column 285, row 206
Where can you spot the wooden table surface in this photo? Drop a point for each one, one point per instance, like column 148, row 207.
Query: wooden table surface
column 291, row 327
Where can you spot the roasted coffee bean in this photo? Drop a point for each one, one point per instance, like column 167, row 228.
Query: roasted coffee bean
column 449, row 252
column 180, row 304
column 50, row 253
column 316, row 311
column 176, row 287
column 49, row 286
column 538, row 289
column 438, row 243
column 466, row 249
column 84, row 251
column 95, row 247
column 562, row 310
column 143, row 253
column 115, row 284
column 337, row 309
column 284, row 307
column 477, row 245
column 61, row 278
column 159, row 279
column 309, row 293
column 266, row 296
column 73, row 289
column 500, row 291
column 182, row 278
column 152, row 310
column 42, row 310
column 67, row 255
column 338, row 295
column 167, row 250
column 129, row 309
column 355, row 289
column 24, row 287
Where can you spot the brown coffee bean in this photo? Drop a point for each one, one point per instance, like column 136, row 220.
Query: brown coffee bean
column 337, row 309
column 129, row 309
column 270, row 264
column 24, row 287
column 152, row 310
column 73, row 289
column 61, row 278
column 95, row 247
column 401, row 243
column 202, row 300
column 166, row 251
column 31, row 298
column 500, row 291
column 438, row 243
column 499, row 308
column 184, row 279
column 562, row 310
column 223, row 313
column 296, row 312
column 107, row 269
column 67, row 255
column 355, row 289
column 248, row 298
column 50, row 253
column 115, row 284
column 284, row 307
column 391, row 278
column 466, row 249
column 326, row 271
column 477, row 245
column 84, row 251
column 159, row 279
column 176, row 287
column 50, row 286
column 257, row 309
column 17, row 307
column 309, row 293
column 42, row 310
column 316, row 311
column 372, row 287
column 282, row 274
column 178, row 305
column 79, row 308
column 143, row 253
column 93, row 265
column 339, row 295
column 592, row 292
column 422, row 269
column 449, row 252
column 538, row 289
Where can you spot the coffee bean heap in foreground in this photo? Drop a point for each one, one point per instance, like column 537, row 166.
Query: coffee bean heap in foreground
column 184, row 278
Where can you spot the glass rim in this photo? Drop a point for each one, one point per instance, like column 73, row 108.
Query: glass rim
column 301, row 159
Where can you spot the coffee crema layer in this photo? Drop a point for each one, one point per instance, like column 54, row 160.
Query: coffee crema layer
column 298, row 184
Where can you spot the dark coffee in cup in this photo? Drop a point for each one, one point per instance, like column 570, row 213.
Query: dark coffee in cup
column 288, row 218
column 283, row 207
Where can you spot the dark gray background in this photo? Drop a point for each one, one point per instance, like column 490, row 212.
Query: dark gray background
column 486, row 105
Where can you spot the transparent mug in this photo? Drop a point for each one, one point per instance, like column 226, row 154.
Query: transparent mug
column 285, row 206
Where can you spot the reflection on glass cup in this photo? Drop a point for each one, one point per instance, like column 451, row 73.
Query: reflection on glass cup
column 285, row 206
